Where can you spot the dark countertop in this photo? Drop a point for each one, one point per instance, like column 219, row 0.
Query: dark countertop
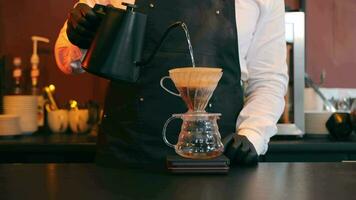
column 85, row 142
column 48, row 143
column 266, row 181
column 312, row 143
column 48, row 148
column 68, row 148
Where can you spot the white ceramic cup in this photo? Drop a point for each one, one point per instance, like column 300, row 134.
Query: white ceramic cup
column 78, row 120
column 315, row 122
column 58, row 120
column 25, row 106
column 9, row 125
column 312, row 101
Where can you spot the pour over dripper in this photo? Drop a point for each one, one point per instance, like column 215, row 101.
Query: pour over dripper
column 195, row 85
column 199, row 137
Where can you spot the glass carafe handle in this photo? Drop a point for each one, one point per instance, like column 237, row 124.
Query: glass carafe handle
column 165, row 129
column 164, row 87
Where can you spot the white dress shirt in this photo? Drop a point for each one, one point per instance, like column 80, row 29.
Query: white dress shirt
column 262, row 51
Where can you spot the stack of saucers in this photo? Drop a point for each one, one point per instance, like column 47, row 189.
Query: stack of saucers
column 25, row 106
column 9, row 125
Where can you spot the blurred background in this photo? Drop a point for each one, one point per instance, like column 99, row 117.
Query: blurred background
column 21, row 19
column 330, row 43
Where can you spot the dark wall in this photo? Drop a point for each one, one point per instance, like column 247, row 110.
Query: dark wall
column 293, row 4
column 331, row 41
column 21, row 19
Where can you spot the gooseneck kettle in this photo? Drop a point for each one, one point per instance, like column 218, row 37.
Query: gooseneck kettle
column 117, row 44
column 116, row 51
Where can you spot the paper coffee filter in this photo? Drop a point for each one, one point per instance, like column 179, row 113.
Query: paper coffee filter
column 196, row 77
column 196, row 69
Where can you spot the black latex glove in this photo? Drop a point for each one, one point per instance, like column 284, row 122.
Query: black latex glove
column 240, row 150
column 82, row 25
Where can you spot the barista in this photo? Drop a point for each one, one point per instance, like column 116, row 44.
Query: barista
column 244, row 37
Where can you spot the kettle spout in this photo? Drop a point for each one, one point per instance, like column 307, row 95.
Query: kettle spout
column 169, row 29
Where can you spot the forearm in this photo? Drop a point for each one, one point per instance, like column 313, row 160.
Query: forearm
column 263, row 106
column 68, row 56
column 267, row 78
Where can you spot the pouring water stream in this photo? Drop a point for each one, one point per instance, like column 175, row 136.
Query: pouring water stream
column 185, row 28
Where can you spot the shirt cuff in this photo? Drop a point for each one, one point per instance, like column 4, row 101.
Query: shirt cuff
column 258, row 142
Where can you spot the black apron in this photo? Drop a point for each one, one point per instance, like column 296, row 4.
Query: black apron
column 134, row 115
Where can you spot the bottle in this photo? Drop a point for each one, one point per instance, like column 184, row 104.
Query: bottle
column 40, row 99
column 17, row 75
column 35, row 74
column 2, row 82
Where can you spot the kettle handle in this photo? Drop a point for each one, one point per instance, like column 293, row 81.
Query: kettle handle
column 164, row 135
column 100, row 10
column 129, row 6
